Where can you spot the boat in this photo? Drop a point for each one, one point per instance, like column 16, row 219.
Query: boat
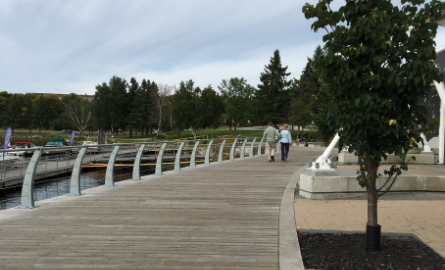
column 56, row 142
column 90, row 144
column 24, row 146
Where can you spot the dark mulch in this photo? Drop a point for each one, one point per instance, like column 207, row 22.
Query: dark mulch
column 347, row 251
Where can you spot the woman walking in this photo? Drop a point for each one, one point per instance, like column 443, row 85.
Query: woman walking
column 286, row 140
column 271, row 135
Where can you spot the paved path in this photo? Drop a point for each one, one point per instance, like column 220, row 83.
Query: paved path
column 219, row 216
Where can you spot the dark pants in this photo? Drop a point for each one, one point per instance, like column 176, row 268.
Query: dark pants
column 284, row 150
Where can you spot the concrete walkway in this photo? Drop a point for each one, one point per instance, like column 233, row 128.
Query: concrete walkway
column 219, row 216
column 419, row 213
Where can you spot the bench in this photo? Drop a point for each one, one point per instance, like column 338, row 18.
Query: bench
column 301, row 144
column 314, row 144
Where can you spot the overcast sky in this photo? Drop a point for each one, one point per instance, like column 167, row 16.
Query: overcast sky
column 70, row 46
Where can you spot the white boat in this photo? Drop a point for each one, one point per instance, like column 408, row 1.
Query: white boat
column 25, row 146
column 90, row 144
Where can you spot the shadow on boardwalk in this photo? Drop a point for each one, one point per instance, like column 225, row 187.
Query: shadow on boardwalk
column 219, row 216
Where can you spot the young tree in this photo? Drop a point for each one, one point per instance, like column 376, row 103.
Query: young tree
column 272, row 95
column 239, row 97
column 158, row 96
column 377, row 76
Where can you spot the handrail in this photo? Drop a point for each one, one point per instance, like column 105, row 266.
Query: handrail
column 27, row 198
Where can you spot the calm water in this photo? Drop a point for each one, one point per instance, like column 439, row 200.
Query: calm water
column 54, row 188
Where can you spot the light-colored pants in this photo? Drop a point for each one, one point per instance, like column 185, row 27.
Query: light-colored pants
column 270, row 148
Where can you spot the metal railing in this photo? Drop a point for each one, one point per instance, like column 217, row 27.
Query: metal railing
column 205, row 148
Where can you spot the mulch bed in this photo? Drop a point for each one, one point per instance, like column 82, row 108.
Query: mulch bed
column 347, row 251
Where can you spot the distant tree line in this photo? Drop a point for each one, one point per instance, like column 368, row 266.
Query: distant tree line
column 145, row 106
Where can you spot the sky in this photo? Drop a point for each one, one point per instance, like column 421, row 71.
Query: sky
column 70, row 46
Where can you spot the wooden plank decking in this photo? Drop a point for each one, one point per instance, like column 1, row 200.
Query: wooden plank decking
column 219, row 216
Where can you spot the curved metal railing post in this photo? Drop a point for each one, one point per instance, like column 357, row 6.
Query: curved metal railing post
column 77, row 171
column 109, row 175
column 27, row 199
column 232, row 150
column 259, row 147
column 178, row 157
column 251, row 147
column 221, row 151
column 137, row 163
column 160, row 159
column 243, row 148
column 193, row 157
column 207, row 157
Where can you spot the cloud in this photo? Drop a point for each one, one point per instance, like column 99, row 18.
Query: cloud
column 71, row 46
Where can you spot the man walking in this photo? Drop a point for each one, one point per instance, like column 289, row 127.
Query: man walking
column 271, row 135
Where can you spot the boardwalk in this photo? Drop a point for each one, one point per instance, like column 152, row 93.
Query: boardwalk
column 219, row 216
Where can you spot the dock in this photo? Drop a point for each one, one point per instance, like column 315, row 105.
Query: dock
column 230, row 215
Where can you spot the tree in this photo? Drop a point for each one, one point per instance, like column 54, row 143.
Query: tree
column 183, row 105
column 4, row 96
column 143, row 105
column 77, row 112
column 47, row 109
column 13, row 111
column 211, row 107
column 110, row 104
column 272, row 96
column 239, row 96
column 28, row 112
column 195, row 108
column 377, row 77
column 132, row 93
column 301, row 102
column 158, row 96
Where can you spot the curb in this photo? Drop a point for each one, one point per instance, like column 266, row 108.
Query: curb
column 289, row 254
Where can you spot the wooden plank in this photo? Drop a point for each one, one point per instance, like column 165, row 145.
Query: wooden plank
column 219, row 216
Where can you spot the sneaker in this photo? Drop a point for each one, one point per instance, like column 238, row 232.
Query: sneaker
column 285, row 159
column 270, row 160
column 273, row 158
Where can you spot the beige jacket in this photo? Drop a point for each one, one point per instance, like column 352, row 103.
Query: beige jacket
column 269, row 135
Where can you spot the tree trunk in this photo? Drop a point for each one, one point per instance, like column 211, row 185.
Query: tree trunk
column 40, row 130
column 371, row 190
column 30, row 130
column 234, row 126
column 230, row 126
column 146, row 131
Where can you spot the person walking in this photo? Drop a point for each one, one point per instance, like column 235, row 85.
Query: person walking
column 271, row 135
column 286, row 142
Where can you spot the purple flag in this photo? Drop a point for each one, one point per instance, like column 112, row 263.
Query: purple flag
column 72, row 138
column 7, row 138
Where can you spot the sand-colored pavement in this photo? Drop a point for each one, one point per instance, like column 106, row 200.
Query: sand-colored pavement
column 424, row 216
